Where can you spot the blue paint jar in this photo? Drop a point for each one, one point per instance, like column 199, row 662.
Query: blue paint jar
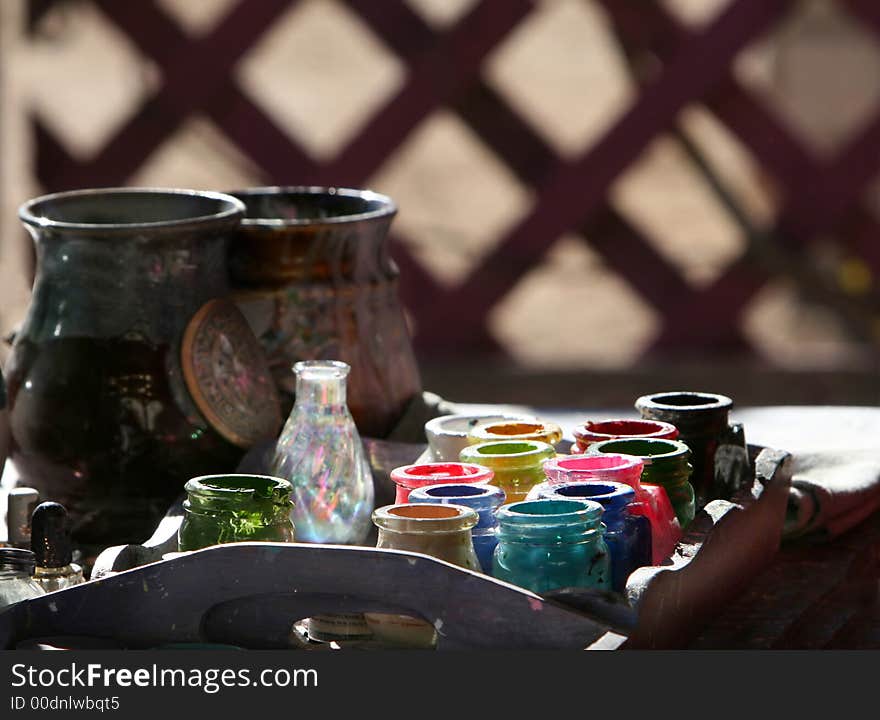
column 483, row 499
column 550, row 544
column 627, row 535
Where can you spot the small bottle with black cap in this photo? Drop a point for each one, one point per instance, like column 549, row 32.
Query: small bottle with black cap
column 50, row 542
column 16, row 576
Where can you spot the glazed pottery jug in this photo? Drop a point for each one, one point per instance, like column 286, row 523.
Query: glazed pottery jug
column 132, row 372
column 312, row 272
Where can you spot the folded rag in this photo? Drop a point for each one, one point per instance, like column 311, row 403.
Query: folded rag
column 832, row 492
column 836, row 464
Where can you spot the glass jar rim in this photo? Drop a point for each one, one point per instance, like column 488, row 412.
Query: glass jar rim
column 593, row 462
column 229, row 209
column 450, row 492
column 489, row 431
column 427, row 518
column 460, row 424
column 665, row 449
column 438, row 472
column 508, row 451
column 321, row 369
column 612, row 428
column 615, row 494
column 526, row 512
column 690, row 400
column 229, row 485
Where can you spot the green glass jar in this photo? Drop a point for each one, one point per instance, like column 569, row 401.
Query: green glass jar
column 235, row 508
column 667, row 464
column 518, row 465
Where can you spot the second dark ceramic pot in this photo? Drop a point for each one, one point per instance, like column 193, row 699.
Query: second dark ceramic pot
column 311, row 270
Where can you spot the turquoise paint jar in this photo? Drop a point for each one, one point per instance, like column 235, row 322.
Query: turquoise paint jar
column 550, row 544
column 627, row 534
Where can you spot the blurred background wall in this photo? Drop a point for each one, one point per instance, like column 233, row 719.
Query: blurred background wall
column 598, row 198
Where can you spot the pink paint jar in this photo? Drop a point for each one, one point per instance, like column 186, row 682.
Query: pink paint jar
column 409, row 477
column 596, row 431
column 650, row 500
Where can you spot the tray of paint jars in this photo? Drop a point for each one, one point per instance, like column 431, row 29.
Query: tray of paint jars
column 215, row 590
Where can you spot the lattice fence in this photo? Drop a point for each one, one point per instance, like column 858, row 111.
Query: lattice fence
column 440, row 69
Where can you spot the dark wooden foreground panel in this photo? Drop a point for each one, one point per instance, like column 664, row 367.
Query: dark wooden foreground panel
column 250, row 594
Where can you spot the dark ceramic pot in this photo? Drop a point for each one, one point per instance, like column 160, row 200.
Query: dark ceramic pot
column 311, row 270
column 702, row 422
column 131, row 373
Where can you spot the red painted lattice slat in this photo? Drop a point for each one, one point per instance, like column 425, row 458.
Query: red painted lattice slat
column 578, row 188
column 444, row 70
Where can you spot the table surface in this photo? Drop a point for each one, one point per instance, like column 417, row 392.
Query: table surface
column 811, row 596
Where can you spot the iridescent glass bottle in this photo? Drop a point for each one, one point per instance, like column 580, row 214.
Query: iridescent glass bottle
column 321, row 454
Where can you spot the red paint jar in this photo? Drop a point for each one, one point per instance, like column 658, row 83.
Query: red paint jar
column 650, row 500
column 596, row 431
column 409, row 477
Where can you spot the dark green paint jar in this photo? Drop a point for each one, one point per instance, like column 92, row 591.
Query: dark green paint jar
column 667, row 464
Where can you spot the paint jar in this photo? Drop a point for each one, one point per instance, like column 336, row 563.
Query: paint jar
column 448, row 434
column 442, row 531
column 409, row 477
column 627, row 533
column 235, row 508
column 596, row 431
column 482, row 499
column 667, row 464
column 16, row 576
column 547, row 432
column 518, row 465
column 650, row 500
column 702, row 422
column 550, row 544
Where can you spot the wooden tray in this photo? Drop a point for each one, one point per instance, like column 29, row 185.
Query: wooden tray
column 247, row 594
